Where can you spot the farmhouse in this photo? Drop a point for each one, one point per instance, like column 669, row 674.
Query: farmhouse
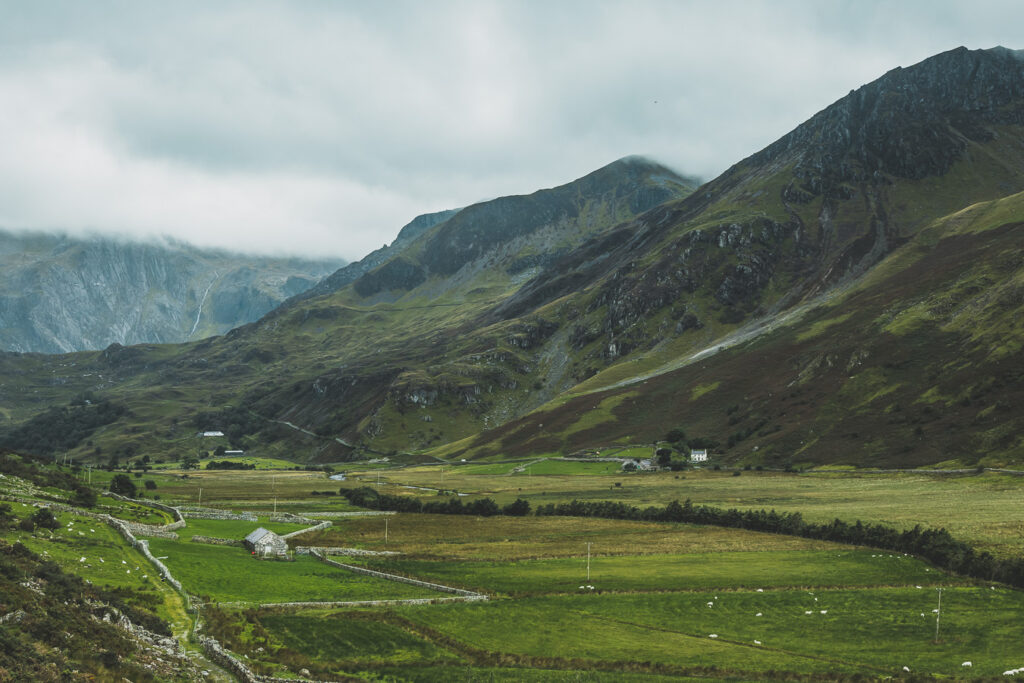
column 699, row 455
column 264, row 542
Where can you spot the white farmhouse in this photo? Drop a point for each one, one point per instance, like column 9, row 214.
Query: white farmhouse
column 699, row 455
column 265, row 543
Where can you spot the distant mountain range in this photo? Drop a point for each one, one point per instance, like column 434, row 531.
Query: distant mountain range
column 60, row 294
column 852, row 293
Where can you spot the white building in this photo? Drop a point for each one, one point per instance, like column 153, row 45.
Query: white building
column 264, row 542
column 699, row 455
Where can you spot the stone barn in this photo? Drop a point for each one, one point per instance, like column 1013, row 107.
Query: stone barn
column 265, row 543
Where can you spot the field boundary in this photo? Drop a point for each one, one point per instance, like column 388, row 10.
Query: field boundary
column 465, row 595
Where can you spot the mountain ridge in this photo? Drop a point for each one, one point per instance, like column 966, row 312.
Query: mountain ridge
column 459, row 342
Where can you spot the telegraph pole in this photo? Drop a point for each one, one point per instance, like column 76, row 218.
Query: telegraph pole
column 200, row 495
column 385, row 531
column 588, row 562
column 938, row 615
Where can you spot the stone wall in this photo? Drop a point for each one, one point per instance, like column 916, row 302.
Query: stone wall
column 290, row 518
column 353, row 552
column 317, row 527
column 143, row 547
column 219, row 514
column 400, row 579
column 216, row 652
column 354, row 513
column 212, row 540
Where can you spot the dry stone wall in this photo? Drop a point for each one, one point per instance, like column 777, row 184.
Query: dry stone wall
column 351, row 552
column 317, row 527
column 213, row 540
column 219, row 515
column 401, row 579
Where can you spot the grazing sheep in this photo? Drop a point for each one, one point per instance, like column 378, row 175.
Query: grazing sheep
column 967, row 664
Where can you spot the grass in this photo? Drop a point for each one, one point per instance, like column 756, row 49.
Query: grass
column 571, row 468
column 556, row 628
column 676, row 572
column 231, row 528
column 351, row 637
column 981, row 509
column 869, row 631
column 230, row 574
column 420, row 536
column 238, row 488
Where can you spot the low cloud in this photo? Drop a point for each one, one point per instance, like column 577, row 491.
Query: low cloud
column 321, row 128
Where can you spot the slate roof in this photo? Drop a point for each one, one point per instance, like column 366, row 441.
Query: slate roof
column 255, row 536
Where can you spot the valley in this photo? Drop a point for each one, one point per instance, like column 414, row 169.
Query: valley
column 560, row 598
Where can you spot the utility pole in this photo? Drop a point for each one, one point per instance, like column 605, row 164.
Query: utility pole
column 938, row 615
column 200, row 495
column 275, row 505
column 385, row 531
column 588, row 563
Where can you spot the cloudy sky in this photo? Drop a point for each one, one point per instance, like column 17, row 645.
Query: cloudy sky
column 323, row 127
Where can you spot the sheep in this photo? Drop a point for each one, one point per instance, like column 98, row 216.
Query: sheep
column 967, row 664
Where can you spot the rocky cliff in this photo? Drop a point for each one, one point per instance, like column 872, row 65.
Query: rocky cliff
column 61, row 294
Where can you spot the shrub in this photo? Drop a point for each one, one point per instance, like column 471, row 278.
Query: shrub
column 122, row 485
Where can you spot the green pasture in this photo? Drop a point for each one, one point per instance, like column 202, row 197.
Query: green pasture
column 559, row 630
column 981, row 509
column 109, row 560
column 675, row 572
column 545, row 467
column 499, row 538
column 132, row 512
column 230, row 574
column 353, row 638
column 233, row 528
column 868, row 631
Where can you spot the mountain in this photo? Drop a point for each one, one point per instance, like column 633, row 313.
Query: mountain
column 60, row 294
column 851, row 294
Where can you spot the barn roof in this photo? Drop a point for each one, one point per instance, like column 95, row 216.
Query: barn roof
column 256, row 535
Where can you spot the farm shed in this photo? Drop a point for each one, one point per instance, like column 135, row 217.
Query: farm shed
column 264, row 542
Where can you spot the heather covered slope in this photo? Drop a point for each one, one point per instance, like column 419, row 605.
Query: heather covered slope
column 918, row 363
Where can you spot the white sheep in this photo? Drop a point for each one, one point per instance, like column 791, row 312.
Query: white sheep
column 967, row 664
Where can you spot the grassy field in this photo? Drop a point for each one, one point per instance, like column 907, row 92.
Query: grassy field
column 522, row 538
column 870, row 631
column 982, row 509
column 233, row 528
column 676, row 572
column 229, row 574
column 250, row 489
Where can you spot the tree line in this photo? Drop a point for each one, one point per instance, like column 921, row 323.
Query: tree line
column 935, row 545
